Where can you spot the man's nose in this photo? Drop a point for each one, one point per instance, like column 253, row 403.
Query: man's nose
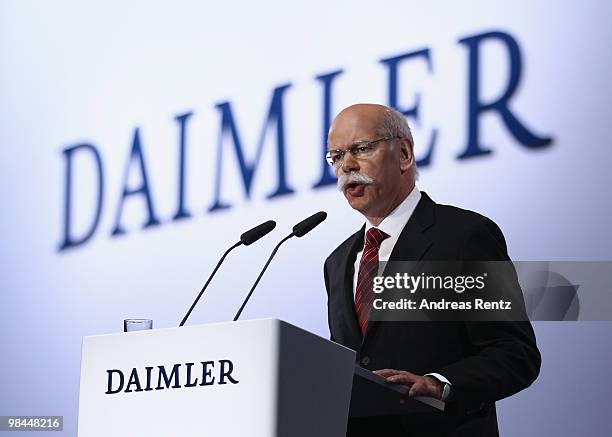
column 349, row 163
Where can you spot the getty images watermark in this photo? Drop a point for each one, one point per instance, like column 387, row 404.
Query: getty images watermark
column 492, row 291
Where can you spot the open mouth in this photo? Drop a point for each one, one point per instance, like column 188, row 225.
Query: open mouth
column 355, row 188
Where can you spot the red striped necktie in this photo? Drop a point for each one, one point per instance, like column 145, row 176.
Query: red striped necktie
column 368, row 268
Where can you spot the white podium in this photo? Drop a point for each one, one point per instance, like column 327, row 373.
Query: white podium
column 254, row 378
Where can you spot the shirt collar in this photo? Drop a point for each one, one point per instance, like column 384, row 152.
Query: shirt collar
column 393, row 224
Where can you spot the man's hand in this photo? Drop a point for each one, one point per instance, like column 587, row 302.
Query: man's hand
column 416, row 385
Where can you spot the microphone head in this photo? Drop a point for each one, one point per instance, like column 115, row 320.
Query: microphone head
column 307, row 225
column 252, row 235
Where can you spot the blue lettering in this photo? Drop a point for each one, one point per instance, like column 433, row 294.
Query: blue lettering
column 133, row 381
column 143, row 189
column 476, row 107
column 226, row 373
column 110, row 373
column 327, row 176
column 190, row 383
column 392, row 65
column 168, row 379
column 181, row 211
column 207, row 378
column 70, row 240
column 247, row 170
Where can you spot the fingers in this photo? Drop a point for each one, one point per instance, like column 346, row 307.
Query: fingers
column 415, row 384
column 393, row 376
column 405, row 378
column 386, row 372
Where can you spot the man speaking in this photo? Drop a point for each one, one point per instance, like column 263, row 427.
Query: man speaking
column 469, row 365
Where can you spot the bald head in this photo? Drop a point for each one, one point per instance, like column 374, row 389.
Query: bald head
column 387, row 122
column 367, row 115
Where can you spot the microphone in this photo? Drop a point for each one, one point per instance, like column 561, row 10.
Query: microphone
column 299, row 230
column 248, row 238
column 252, row 235
column 307, row 225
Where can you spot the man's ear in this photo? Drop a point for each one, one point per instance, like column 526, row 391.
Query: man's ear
column 406, row 154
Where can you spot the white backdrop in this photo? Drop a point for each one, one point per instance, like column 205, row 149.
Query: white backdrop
column 73, row 72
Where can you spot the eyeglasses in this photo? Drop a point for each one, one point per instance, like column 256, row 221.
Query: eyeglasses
column 360, row 150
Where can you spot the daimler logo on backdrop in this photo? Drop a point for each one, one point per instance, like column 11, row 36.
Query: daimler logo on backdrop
column 517, row 127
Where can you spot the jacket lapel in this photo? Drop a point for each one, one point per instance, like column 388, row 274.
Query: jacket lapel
column 353, row 245
column 412, row 243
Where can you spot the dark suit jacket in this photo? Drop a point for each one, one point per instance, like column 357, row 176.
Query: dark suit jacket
column 484, row 361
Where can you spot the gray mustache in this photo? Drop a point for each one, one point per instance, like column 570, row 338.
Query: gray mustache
column 353, row 176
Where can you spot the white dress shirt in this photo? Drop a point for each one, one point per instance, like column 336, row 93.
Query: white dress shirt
column 393, row 225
